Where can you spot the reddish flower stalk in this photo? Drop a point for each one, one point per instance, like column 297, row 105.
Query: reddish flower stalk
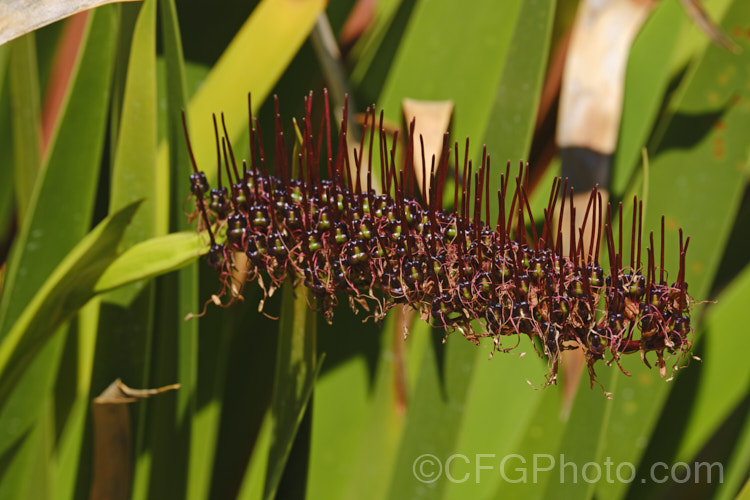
column 342, row 239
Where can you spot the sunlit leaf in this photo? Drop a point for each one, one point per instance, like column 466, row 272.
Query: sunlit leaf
column 725, row 376
column 67, row 289
column 514, row 107
column 424, row 61
column 69, row 177
column 134, row 172
column 113, row 437
column 26, row 114
column 705, row 129
column 739, row 462
column 272, row 34
column 296, row 369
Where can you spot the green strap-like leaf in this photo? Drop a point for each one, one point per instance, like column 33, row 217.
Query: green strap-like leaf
column 354, row 445
column 152, row 258
column 725, row 374
column 59, row 216
column 6, row 143
column 451, row 52
column 60, row 211
column 26, row 112
column 173, row 428
column 18, row 17
column 252, row 482
column 67, row 289
column 296, row 369
column 253, row 62
column 70, row 455
column 134, row 173
column 447, row 52
column 646, row 79
column 511, row 122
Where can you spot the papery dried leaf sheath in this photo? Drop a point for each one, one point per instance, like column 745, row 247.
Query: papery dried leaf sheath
column 378, row 249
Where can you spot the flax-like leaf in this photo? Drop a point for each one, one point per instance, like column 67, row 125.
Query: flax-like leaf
column 69, row 177
column 725, row 376
column 26, row 115
column 151, row 258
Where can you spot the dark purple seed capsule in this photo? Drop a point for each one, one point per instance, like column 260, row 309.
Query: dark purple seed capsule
column 198, row 184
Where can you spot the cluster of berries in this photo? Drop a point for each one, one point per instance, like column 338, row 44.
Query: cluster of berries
column 341, row 238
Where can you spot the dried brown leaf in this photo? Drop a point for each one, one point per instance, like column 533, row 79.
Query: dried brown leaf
column 112, row 438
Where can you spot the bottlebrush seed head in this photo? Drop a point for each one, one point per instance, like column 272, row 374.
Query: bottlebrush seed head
column 339, row 237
